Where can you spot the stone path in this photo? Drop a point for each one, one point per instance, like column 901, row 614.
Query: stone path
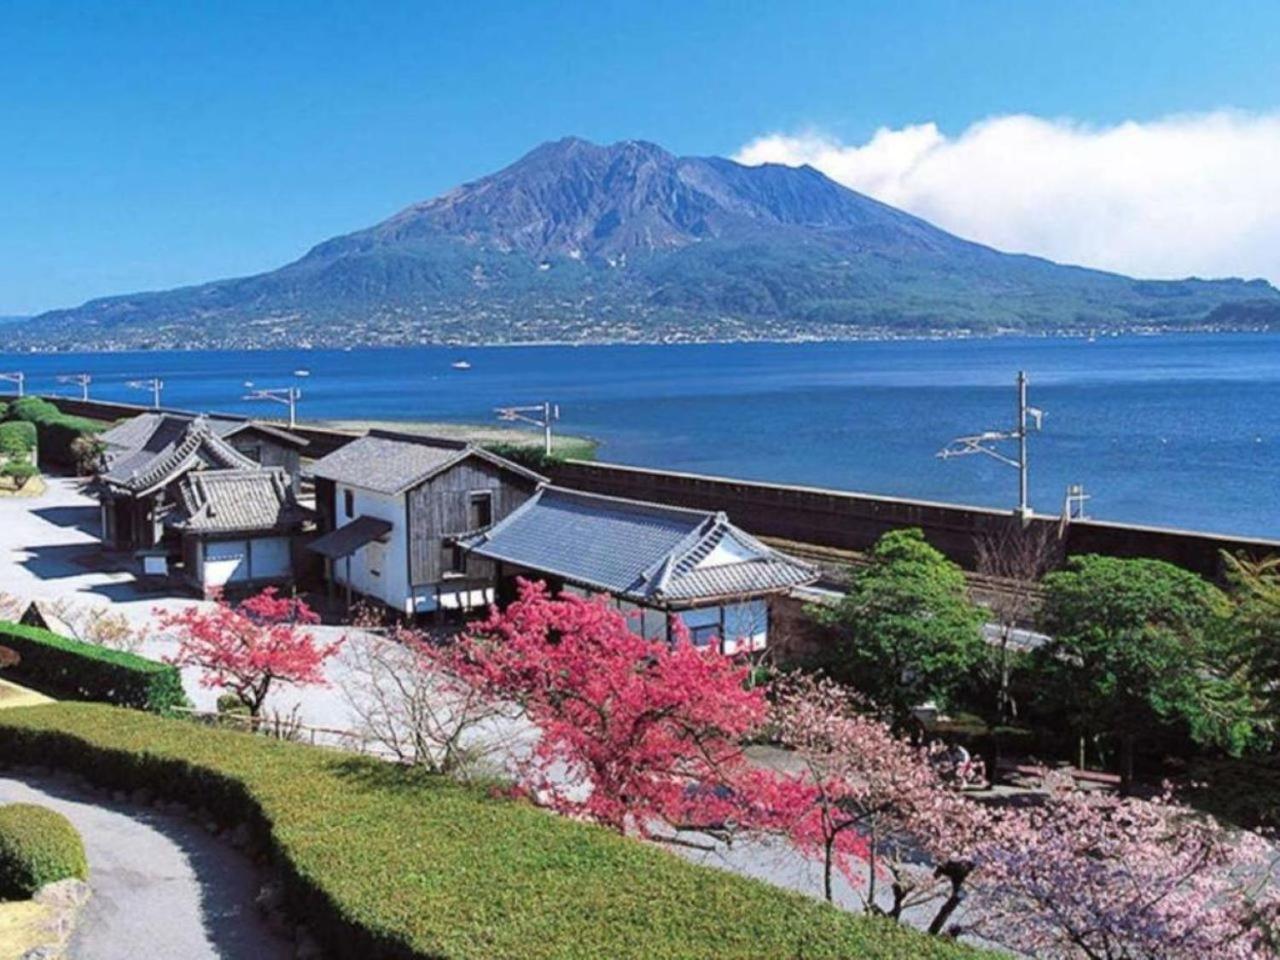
column 162, row 886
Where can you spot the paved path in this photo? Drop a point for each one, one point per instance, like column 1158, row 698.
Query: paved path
column 162, row 886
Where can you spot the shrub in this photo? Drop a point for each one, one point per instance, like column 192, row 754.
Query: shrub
column 93, row 672
column 19, row 472
column 55, row 430
column 391, row 862
column 17, row 439
column 37, row 846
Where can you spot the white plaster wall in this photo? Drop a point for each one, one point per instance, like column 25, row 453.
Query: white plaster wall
column 391, row 559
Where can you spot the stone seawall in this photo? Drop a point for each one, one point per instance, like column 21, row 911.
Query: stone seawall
column 828, row 518
column 853, row 521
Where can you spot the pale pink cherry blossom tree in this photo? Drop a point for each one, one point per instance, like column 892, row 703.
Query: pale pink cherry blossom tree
column 1100, row 877
column 872, row 806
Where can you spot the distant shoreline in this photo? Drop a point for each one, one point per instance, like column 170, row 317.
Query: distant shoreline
column 878, row 337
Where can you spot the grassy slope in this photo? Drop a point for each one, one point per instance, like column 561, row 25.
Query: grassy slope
column 448, row 870
column 564, row 445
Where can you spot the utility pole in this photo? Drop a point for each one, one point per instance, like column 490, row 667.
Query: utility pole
column 1073, row 503
column 17, row 377
column 83, row 379
column 289, row 396
column 550, row 413
column 1028, row 418
column 154, row 384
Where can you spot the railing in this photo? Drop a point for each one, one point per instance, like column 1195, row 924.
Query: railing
column 288, row 727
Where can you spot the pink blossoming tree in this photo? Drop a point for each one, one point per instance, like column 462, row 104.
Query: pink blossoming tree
column 632, row 733
column 870, row 805
column 1106, row 878
column 249, row 647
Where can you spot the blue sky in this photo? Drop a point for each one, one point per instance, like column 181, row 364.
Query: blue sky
column 150, row 145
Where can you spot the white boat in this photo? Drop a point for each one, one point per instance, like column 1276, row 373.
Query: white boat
column 460, row 365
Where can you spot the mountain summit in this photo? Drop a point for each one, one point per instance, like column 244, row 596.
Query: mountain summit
column 574, row 199
column 576, row 241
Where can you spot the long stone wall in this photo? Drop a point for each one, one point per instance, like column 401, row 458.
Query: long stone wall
column 853, row 521
column 827, row 518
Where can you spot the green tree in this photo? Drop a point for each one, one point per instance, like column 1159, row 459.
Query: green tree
column 1255, row 623
column 907, row 629
column 1136, row 646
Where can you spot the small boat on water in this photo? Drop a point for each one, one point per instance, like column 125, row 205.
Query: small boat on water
column 460, row 365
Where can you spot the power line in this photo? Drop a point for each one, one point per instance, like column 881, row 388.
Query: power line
column 154, row 384
column 289, row 396
column 82, row 379
column 550, row 413
column 1028, row 418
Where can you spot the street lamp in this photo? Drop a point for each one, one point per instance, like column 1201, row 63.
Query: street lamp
column 154, row 384
column 550, row 412
column 17, row 377
column 289, row 396
column 83, row 379
column 1029, row 418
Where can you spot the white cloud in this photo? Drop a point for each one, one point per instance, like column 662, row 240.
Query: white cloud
column 1195, row 195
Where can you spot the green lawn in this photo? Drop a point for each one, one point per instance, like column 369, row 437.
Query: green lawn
column 385, row 862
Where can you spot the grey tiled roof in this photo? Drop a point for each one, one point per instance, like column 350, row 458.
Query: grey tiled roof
column 391, row 463
column 174, row 446
column 350, row 537
column 146, row 429
column 643, row 551
column 256, row 499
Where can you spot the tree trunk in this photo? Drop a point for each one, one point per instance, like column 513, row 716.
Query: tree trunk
column 957, row 874
column 826, row 866
column 1126, row 764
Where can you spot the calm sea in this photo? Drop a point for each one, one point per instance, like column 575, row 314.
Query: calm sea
column 1178, row 430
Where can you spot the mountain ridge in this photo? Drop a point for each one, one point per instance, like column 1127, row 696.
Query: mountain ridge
column 576, row 241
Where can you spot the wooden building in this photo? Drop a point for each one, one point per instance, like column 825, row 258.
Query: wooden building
column 136, row 485
column 661, row 564
column 263, row 443
column 238, row 529
column 179, row 494
column 391, row 507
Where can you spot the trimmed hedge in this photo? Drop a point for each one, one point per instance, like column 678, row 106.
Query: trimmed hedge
column 37, row 846
column 56, row 430
column 390, row 862
column 91, row 671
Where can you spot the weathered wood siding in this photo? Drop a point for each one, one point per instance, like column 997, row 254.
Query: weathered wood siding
column 440, row 508
column 268, row 451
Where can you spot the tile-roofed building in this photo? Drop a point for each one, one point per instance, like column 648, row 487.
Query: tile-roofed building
column 170, row 450
column 390, row 463
column 186, row 492
column 235, row 527
column 645, row 552
column 693, row 563
column 235, row 500
column 390, row 506
column 130, row 445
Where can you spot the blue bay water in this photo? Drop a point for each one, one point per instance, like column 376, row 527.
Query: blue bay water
column 1175, row 431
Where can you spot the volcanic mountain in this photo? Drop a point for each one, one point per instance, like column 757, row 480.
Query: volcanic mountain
column 576, row 241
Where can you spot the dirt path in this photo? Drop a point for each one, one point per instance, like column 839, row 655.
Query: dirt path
column 162, row 886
